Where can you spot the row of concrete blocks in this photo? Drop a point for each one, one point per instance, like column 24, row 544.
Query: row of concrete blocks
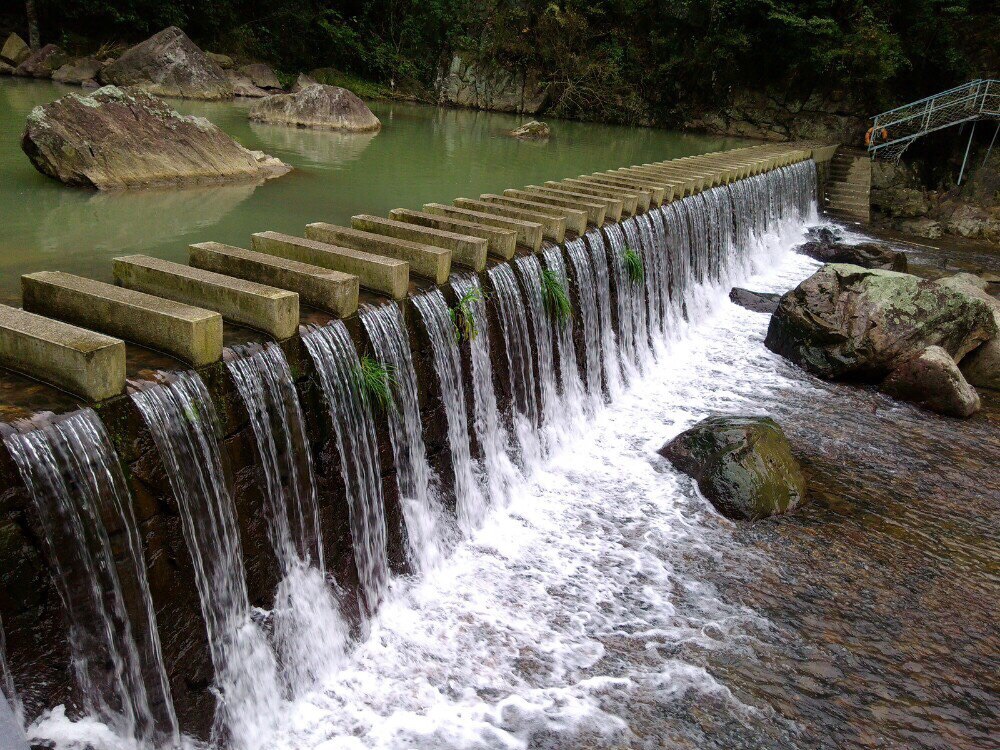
column 71, row 330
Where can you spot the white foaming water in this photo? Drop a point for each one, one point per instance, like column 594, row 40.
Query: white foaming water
column 548, row 623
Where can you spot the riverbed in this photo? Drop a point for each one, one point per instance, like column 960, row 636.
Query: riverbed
column 423, row 154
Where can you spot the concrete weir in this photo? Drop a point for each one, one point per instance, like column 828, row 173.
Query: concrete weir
column 72, row 335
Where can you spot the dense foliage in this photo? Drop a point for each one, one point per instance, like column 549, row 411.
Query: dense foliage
column 625, row 60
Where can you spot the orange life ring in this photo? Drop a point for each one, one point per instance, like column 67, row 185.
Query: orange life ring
column 868, row 136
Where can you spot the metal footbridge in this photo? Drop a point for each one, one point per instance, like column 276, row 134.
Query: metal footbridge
column 893, row 131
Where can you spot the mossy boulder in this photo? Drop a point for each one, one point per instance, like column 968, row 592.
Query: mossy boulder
column 850, row 323
column 743, row 465
column 43, row 63
column 981, row 367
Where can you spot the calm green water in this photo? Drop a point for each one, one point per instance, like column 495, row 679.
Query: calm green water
column 422, row 154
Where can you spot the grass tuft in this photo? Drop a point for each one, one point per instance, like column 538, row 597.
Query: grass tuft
column 556, row 297
column 633, row 266
column 375, row 382
column 463, row 316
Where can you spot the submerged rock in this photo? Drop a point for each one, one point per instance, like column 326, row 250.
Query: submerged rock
column 317, row 106
column 932, row 380
column 762, row 302
column 15, row 50
column 849, row 323
column 43, row 63
column 82, row 71
column 169, row 64
column 533, row 130
column 124, row 139
column 743, row 465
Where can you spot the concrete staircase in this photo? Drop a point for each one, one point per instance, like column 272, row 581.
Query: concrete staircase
column 847, row 193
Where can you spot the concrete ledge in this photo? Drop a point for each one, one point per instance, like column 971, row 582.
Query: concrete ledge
column 191, row 334
column 612, row 206
column 529, row 233
column 82, row 362
column 265, row 308
column 595, row 210
column 553, row 227
column 469, row 251
column 375, row 272
column 499, row 242
column 328, row 290
column 576, row 221
column 642, row 197
column 617, row 204
column 429, row 261
column 656, row 192
column 676, row 183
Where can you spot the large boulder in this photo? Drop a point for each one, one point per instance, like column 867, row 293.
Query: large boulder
column 125, row 139
column 43, row 62
column 850, row 323
column 932, row 380
column 169, row 64
column 532, row 131
column 866, row 254
column 15, row 50
column 981, row 367
column 303, row 81
column 223, row 61
column 261, row 75
column 243, row 86
column 743, row 465
column 82, row 71
column 317, row 106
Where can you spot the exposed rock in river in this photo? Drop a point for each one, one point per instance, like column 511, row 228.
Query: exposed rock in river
column 42, row 63
column 15, row 50
column 866, row 254
column 743, row 465
column 125, row 139
column 261, row 75
column 169, row 64
column 317, row 106
column 223, row 61
column 302, row 82
column 533, row 130
column 933, row 380
column 981, row 367
column 762, row 302
column 243, row 86
column 83, row 71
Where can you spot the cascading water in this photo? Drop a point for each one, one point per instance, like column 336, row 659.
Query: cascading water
column 310, row 634
column 11, row 712
column 182, row 420
column 77, row 486
column 586, row 286
column 427, row 529
column 612, row 369
column 470, row 501
column 530, row 270
column 572, row 392
column 337, row 362
column 497, row 472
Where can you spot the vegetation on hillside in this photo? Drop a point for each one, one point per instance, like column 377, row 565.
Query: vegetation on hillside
column 619, row 60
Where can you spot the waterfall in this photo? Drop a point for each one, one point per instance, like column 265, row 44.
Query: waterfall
column 470, row 501
column 498, row 473
column 11, row 710
column 337, row 362
column 182, row 420
column 309, row 632
column 611, row 366
column 586, row 286
column 520, row 360
column 530, row 270
column 12, row 736
column 426, row 526
column 82, row 501
column 569, row 373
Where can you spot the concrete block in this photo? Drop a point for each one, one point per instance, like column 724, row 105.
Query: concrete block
column 576, row 221
column 428, row 261
column 83, row 362
column 264, row 308
column 189, row 333
column 612, row 206
column 553, row 227
column 619, row 202
column 529, row 233
column 376, row 272
column 595, row 210
column 642, row 197
column 333, row 291
column 656, row 192
column 499, row 242
column 470, row 251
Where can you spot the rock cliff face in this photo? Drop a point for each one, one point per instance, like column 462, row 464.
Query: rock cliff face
column 465, row 84
column 169, row 64
column 317, row 106
column 126, row 139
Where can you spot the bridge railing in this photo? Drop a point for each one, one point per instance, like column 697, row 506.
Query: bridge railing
column 894, row 130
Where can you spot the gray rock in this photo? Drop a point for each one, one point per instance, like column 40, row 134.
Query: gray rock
column 243, row 86
column 490, row 86
column 42, row 63
column 762, row 302
column 223, row 61
column 931, row 379
column 317, row 106
column 6, row 69
column 849, row 323
column 981, row 367
column 169, row 64
column 83, row 71
column 126, row 139
column 261, row 75
column 533, row 130
column 302, row 82
column 866, row 254
column 925, row 227
column 15, row 50
column 903, row 202
column 743, row 465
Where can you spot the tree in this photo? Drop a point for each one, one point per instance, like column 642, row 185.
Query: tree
column 34, row 41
